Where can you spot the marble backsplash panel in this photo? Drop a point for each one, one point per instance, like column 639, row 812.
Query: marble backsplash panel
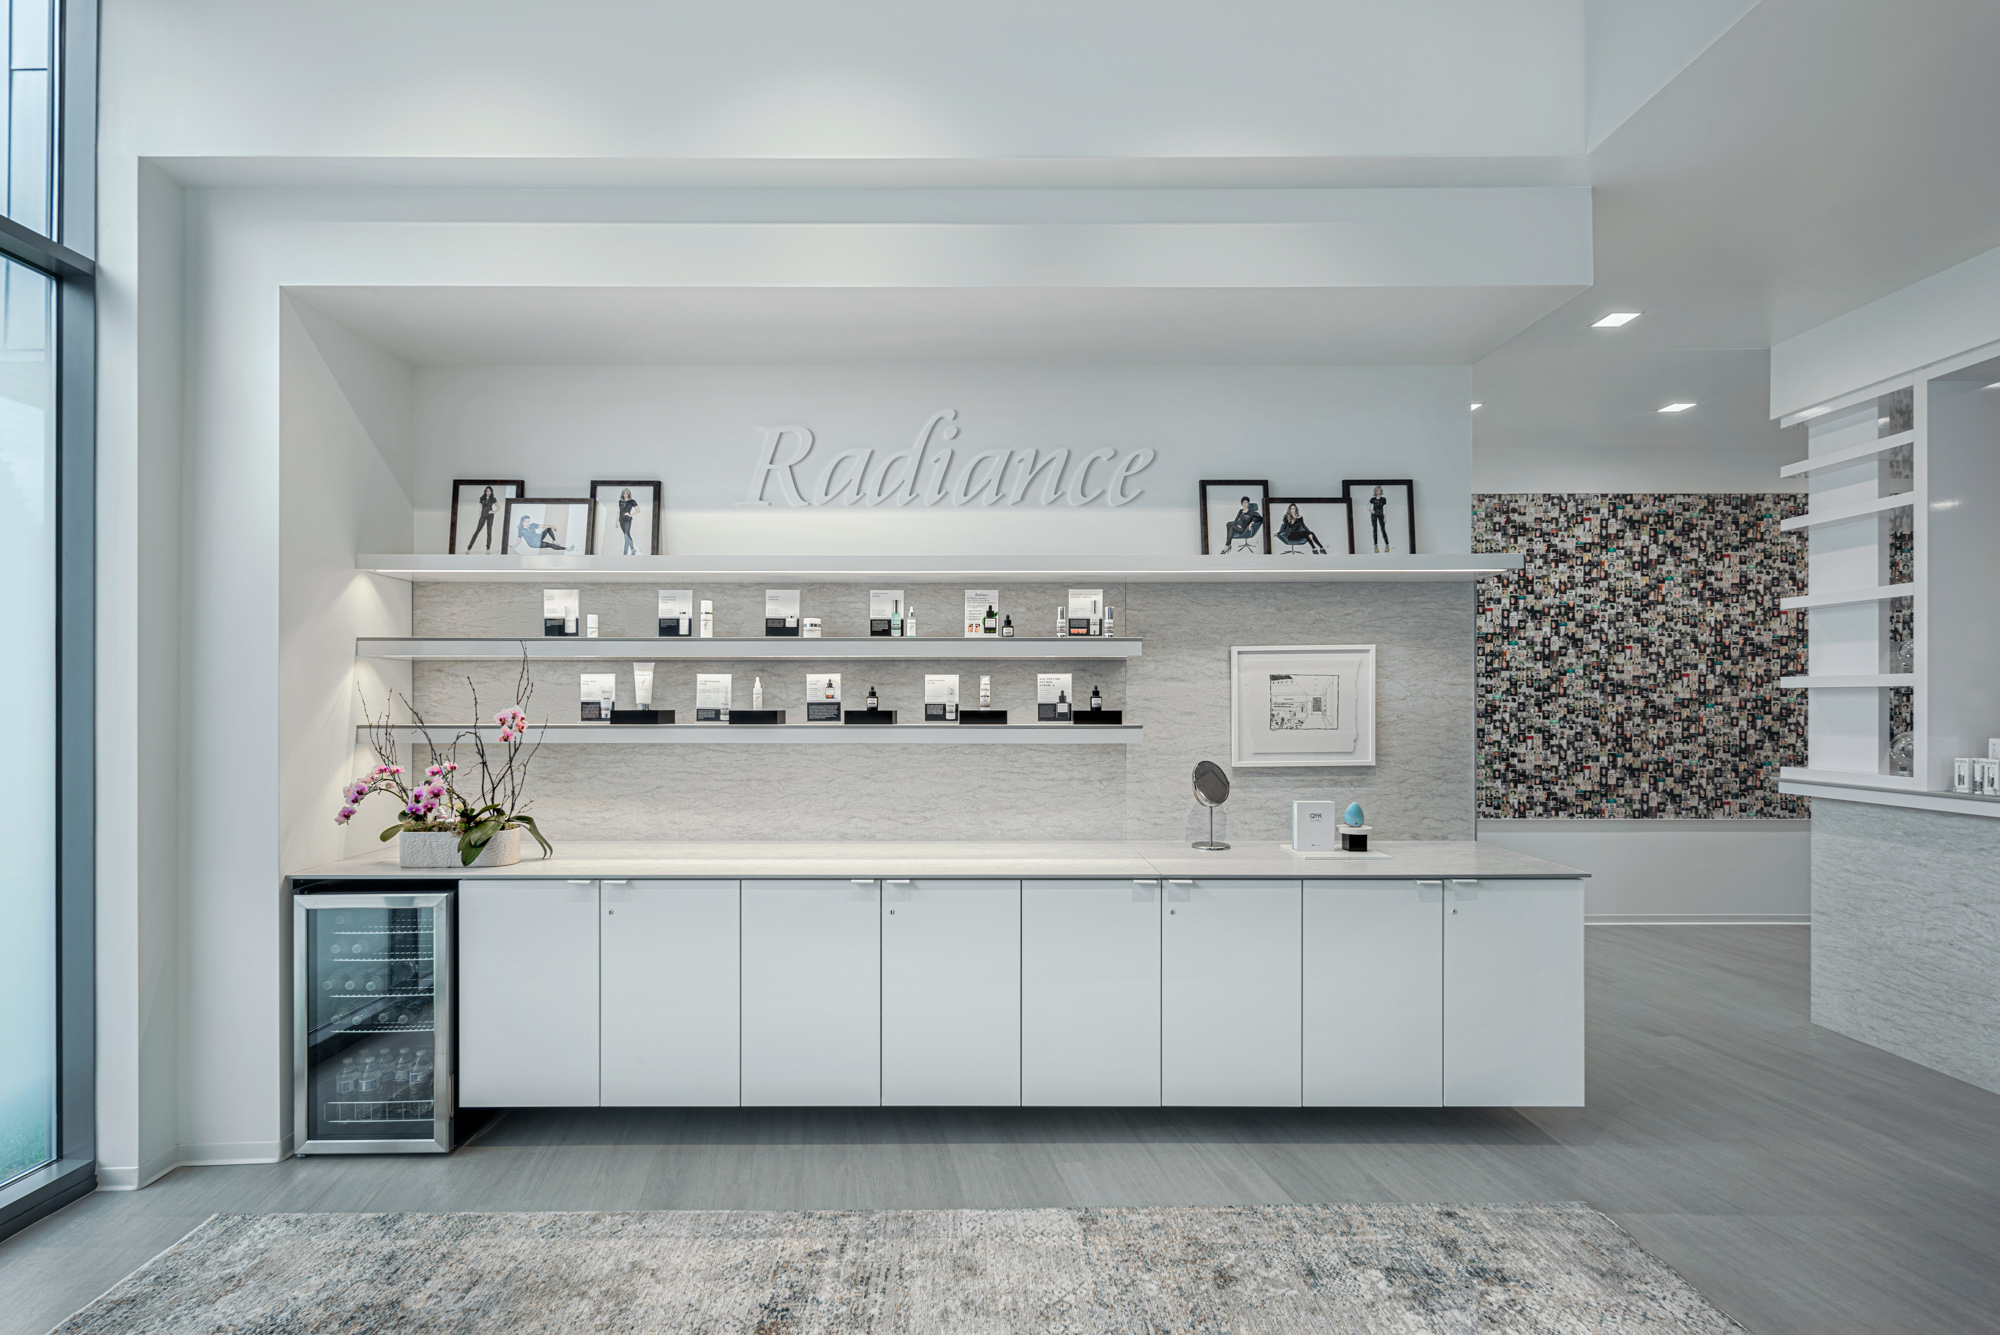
column 1420, row 788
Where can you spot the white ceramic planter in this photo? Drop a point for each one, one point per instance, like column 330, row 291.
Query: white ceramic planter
column 432, row 849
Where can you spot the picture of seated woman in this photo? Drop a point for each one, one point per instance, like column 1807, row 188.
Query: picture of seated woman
column 1247, row 524
column 1293, row 532
column 527, row 534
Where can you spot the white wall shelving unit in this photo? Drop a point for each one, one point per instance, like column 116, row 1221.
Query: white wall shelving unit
column 809, row 734
column 1447, row 568
column 1947, row 417
column 420, row 649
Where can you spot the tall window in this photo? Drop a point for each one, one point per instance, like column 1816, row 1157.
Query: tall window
column 46, row 481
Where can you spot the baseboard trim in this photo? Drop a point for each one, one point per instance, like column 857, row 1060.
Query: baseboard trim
column 231, row 1152
column 1697, row 920
column 111, row 1178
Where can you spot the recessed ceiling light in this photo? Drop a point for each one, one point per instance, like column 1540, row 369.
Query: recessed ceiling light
column 1477, row 406
column 1677, row 407
column 1617, row 320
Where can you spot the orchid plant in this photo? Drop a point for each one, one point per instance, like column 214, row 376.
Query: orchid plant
column 436, row 803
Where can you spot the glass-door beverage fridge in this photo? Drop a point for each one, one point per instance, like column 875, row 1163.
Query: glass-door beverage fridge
column 372, row 1069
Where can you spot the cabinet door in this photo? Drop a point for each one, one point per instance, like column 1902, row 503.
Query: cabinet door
column 1513, row 994
column 1090, row 993
column 1229, row 994
column 671, row 994
column 812, row 993
column 527, row 994
column 1374, row 994
column 951, row 992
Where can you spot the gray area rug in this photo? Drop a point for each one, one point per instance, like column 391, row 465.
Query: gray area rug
column 1405, row 1269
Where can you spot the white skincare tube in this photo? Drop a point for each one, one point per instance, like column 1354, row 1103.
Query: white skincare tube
column 590, row 626
column 642, row 685
column 757, row 693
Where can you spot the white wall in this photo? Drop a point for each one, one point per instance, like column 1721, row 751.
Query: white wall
column 703, row 430
column 1676, row 871
column 1635, row 47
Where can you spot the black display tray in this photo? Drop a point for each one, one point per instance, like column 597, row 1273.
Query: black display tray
column 757, row 716
column 878, row 716
column 1100, row 716
column 619, row 716
column 984, row 716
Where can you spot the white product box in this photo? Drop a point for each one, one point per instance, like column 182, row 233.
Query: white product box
column 1051, row 687
column 559, row 611
column 940, row 697
column 677, row 612
column 1989, row 778
column 1961, row 774
column 1086, row 603
column 1316, row 827
column 883, row 606
column 600, row 695
column 711, row 697
column 977, row 603
column 781, row 611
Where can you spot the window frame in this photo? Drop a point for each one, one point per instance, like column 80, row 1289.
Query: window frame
column 66, row 258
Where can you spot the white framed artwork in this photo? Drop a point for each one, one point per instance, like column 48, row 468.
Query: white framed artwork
column 1300, row 705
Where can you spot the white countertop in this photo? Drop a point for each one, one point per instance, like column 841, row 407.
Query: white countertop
column 1430, row 859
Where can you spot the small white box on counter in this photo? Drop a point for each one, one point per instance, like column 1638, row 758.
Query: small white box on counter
column 1315, row 827
column 1961, row 774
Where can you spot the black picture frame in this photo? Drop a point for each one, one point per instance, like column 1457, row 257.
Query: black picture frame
column 1257, row 490
column 1350, row 489
column 458, row 487
column 587, row 517
column 1328, row 529
column 601, row 511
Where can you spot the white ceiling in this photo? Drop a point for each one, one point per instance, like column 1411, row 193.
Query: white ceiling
column 515, row 326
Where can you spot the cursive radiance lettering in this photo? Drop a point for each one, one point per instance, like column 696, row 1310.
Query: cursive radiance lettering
column 931, row 472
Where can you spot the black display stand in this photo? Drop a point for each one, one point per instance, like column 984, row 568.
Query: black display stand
column 554, row 626
column 881, row 716
column 619, row 716
column 983, row 716
column 777, row 626
column 822, row 711
column 1107, row 717
column 757, row 716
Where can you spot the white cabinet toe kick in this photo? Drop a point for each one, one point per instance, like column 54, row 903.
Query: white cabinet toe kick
column 1033, row 992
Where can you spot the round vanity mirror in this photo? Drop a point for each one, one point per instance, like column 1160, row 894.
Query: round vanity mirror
column 1211, row 789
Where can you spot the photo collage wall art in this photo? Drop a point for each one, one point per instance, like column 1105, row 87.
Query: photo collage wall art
column 497, row 516
column 1371, row 515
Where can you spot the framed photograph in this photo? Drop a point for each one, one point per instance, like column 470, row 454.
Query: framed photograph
column 1299, row 705
column 628, row 518
column 1235, row 518
column 547, row 525
column 1386, row 511
column 1310, row 525
column 478, row 505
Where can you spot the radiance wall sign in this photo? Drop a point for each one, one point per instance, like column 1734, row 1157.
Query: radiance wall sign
column 933, row 473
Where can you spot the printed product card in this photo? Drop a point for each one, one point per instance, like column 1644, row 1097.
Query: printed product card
column 600, row 694
column 822, row 697
column 1052, row 694
column 1316, row 827
column 711, row 697
column 677, row 612
column 1086, row 603
column 781, row 611
column 982, row 608
column 885, row 611
column 560, row 612
column 940, row 697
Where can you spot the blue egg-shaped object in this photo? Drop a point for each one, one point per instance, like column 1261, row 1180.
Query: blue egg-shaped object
column 1354, row 816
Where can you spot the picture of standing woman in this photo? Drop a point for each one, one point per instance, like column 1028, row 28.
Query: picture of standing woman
column 626, row 516
column 1390, row 504
column 479, row 501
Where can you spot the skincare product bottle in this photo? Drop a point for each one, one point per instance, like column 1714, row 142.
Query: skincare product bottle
column 896, row 619
column 1062, row 621
column 873, row 703
column 1007, row 628
column 756, row 692
column 986, row 692
column 569, row 624
column 642, row 685
column 1110, row 623
column 590, row 626
column 1097, row 625
column 910, row 622
column 707, row 619
column 1096, row 700
column 991, row 624
column 1062, row 704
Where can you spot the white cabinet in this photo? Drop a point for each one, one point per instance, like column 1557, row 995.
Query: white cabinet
column 1513, row 994
column 670, row 993
column 1090, row 993
column 812, row 992
column 1229, row 993
column 527, row 994
column 1374, row 994
column 951, row 992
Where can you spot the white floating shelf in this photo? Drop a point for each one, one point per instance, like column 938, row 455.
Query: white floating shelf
column 1902, row 501
column 693, row 570
column 865, row 647
column 1883, row 790
column 811, row 734
column 1848, row 682
column 1820, row 463
column 1880, row 593
column 1857, row 778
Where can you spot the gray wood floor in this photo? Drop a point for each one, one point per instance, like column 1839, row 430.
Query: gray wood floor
column 1803, row 1181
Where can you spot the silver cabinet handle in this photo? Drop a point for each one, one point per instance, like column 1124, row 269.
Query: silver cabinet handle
column 1180, row 882
column 614, row 883
column 1138, row 882
column 862, row 881
column 1473, row 881
column 579, row 882
column 1438, row 884
column 903, row 882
